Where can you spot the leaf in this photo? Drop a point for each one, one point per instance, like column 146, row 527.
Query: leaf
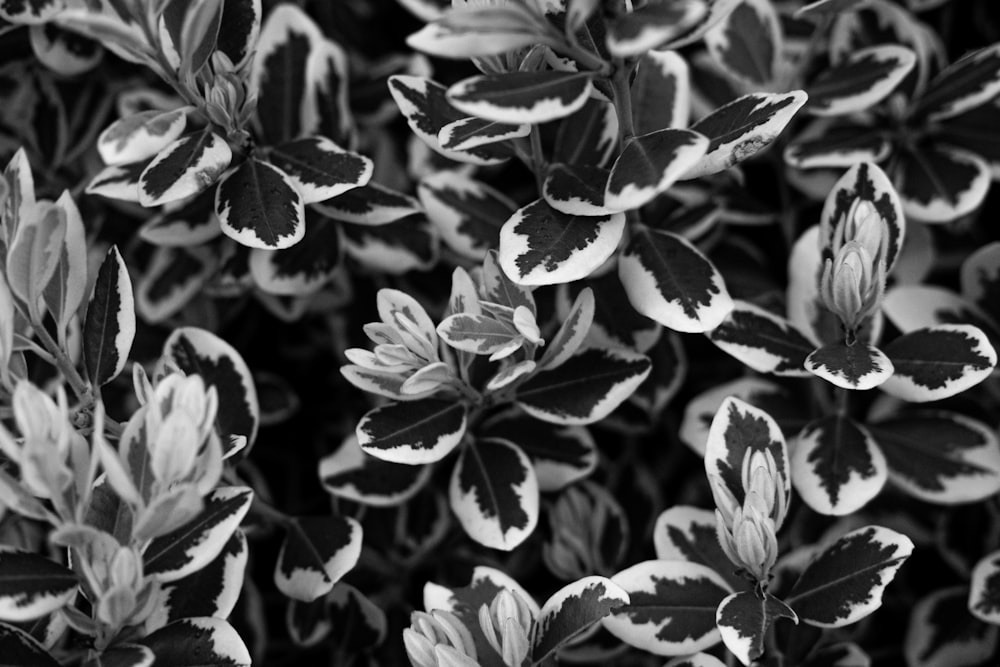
column 65, row 290
column 327, row 109
column 576, row 189
column 671, row 608
column 763, row 341
column 649, row 164
column 473, row 31
column 109, row 329
column 211, row 591
column 940, row 457
column 118, row 182
column 473, row 132
column 173, row 278
column 938, row 362
column 571, row 333
column 32, row 586
column 560, row 455
column 21, row 649
column 184, row 168
column 966, row 84
column 696, row 660
column 141, row 136
column 466, row 212
column 980, row 276
column 305, row 267
column 197, row 543
column 394, row 248
column 942, row 633
column 836, row 466
column 588, row 137
column 845, row 581
column 738, row 431
column 541, row 246
column 914, row 307
column 742, row 128
column 494, row 494
column 743, row 620
column 316, row 553
column 278, row 74
column 984, row 589
column 349, row 608
column 200, row 352
column 122, row 655
column 649, row 26
column 522, row 97
column 477, row 334
column 586, row 388
column 866, row 183
column 688, row 534
column 862, row 80
column 859, row 366
column 320, row 169
column 370, row 205
column 671, row 282
column 413, row 432
column 747, row 43
column 198, row 642
column 836, row 146
column 571, row 610
column 427, row 110
column 239, row 30
column 259, row 206
column 65, row 52
column 660, row 92
column 352, row 474
column 939, row 183
column 30, row 12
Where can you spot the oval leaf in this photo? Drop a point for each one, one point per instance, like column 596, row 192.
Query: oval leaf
column 109, row 328
column 413, row 432
column 259, row 206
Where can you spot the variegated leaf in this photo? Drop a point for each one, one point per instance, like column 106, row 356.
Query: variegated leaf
column 588, row 137
column 937, row 362
column 561, row 455
column 648, row 26
column 370, row 205
column 859, row 366
column 845, row 581
column 211, row 591
column 305, row 267
column 192, row 223
column 742, row 128
column 174, row 277
column 196, row 642
column 352, row 474
column 413, row 432
column 32, row 586
column 64, row 51
column 473, row 31
column 197, row 543
column 467, row 213
column 541, row 246
column 576, row 189
column 671, row 282
column 478, row 334
column 197, row 351
column 427, row 110
column 316, row 553
column 743, row 620
column 586, row 388
column 980, row 277
column 837, row 467
column 259, row 206
column 572, row 332
column 763, row 341
column 30, row 11
column 984, row 589
column 33, row 255
column 684, row 533
column 942, row 633
column 494, row 494
column 863, row 79
column 650, row 163
column 747, row 43
column 118, row 182
column 122, row 655
column 738, row 431
column 184, row 168
column 940, row 457
column 278, row 74
column 109, row 328
column 837, row 147
column 472, row 132
column 696, row 660
column 21, row 649
column 239, row 29
column 973, row 131
column 938, row 183
column 671, row 609
column 140, row 137
column 393, row 248
column 320, row 169
column 522, row 97
column 66, row 290
column 964, row 85
column 571, row 610
column 914, row 307
column 661, row 92
column 327, row 107
column 616, row 323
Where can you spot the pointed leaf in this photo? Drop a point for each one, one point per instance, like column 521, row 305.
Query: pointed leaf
column 844, row 582
column 859, row 366
column 671, row 609
column 494, row 494
column 743, row 620
column 586, row 388
column 32, row 586
column 836, row 466
column 571, row 610
column 184, row 168
column 572, row 332
column 650, row 163
column 670, row 281
column 541, row 246
column 110, row 325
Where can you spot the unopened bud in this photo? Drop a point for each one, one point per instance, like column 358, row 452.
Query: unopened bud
column 438, row 638
column 506, row 623
column 756, row 543
column 853, row 284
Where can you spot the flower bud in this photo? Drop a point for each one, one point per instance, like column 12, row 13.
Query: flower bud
column 506, row 623
column 588, row 533
column 852, row 285
column 439, row 638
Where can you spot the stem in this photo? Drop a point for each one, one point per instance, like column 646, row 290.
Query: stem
column 76, row 382
column 623, row 100
column 843, row 401
column 538, row 164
